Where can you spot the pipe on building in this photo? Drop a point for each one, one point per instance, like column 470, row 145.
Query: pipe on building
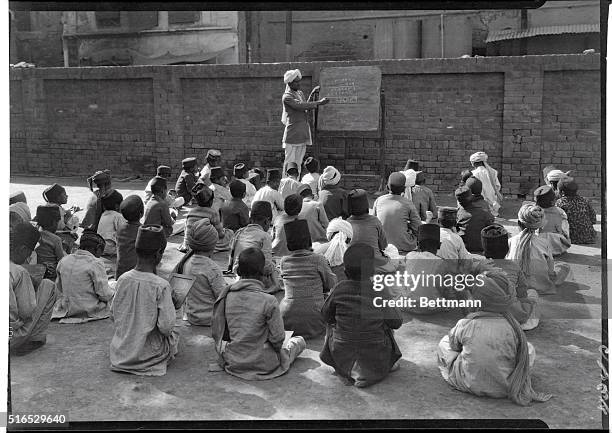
column 288, row 29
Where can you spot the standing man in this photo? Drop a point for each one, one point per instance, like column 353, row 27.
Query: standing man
column 295, row 118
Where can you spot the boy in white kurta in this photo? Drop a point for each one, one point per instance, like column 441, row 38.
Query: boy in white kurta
column 491, row 188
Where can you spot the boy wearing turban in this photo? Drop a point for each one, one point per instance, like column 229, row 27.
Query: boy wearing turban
column 331, row 196
column 252, row 318
column 398, row 215
column 487, row 353
column 290, row 184
column 491, row 188
column 201, row 238
column 338, row 234
column 145, row 338
column 30, row 309
column 295, row 118
column 556, row 226
column 82, row 284
column 525, row 307
column 533, row 253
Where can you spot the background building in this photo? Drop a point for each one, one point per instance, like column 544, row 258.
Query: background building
column 52, row 38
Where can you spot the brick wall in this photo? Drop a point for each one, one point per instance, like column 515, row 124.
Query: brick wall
column 525, row 112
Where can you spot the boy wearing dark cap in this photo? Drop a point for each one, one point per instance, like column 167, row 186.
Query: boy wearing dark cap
column 255, row 235
column 359, row 342
column 580, row 214
column 311, row 178
column 132, row 210
column 556, row 227
column 471, row 220
column 157, row 211
column 424, row 261
column 290, row 184
column 306, row 278
column 30, row 309
column 293, row 206
column 397, row 214
column 162, row 171
column 240, row 174
column 252, row 318
column 50, row 249
column 145, row 338
column 219, row 187
column 235, row 213
column 368, row 229
column 213, row 159
column 82, row 285
column 270, row 192
column 109, row 222
column 423, row 199
column 186, row 180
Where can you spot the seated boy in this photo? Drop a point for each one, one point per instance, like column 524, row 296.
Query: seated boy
column 311, row 178
column 240, row 174
column 162, row 171
column 398, row 216
column 50, row 249
column 235, row 213
column 157, row 211
column 359, row 342
column 487, row 353
column 201, row 238
column 82, row 285
column 580, row 213
column 314, row 213
column 109, row 222
column 368, row 229
column 525, row 307
column 145, row 338
column 30, row 308
column 248, row 328
column 290, row 184
column 56, row 195
column 471, row 220
column 556, row 227
column 293, row 206
column 132, row 210
column 187, row 179
column 423, row 198
column 255, row 235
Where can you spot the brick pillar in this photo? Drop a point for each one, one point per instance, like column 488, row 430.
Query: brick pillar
column 37, row 145
column 522, row 131
column 168, row 119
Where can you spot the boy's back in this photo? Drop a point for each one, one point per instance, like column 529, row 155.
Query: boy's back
column 126, row 246
column 107, row 228
column 235, row 214
column 423, row 199
column 581, row 217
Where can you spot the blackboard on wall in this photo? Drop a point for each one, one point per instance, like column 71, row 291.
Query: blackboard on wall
column 354, row 94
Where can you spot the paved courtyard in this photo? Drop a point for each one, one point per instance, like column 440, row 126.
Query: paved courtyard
column 71, row 373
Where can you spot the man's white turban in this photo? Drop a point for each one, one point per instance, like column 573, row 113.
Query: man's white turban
column 291, row 75
column 555, row 175
column 479, row 157
column 330, row 176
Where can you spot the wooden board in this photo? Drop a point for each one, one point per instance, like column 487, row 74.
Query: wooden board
column 354, row 94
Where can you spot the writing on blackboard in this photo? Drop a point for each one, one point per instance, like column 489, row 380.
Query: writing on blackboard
column 342, row 91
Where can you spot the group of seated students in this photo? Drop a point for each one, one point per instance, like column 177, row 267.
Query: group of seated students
column 302, row 255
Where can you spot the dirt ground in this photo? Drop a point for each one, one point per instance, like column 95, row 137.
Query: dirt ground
column 71, row 373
